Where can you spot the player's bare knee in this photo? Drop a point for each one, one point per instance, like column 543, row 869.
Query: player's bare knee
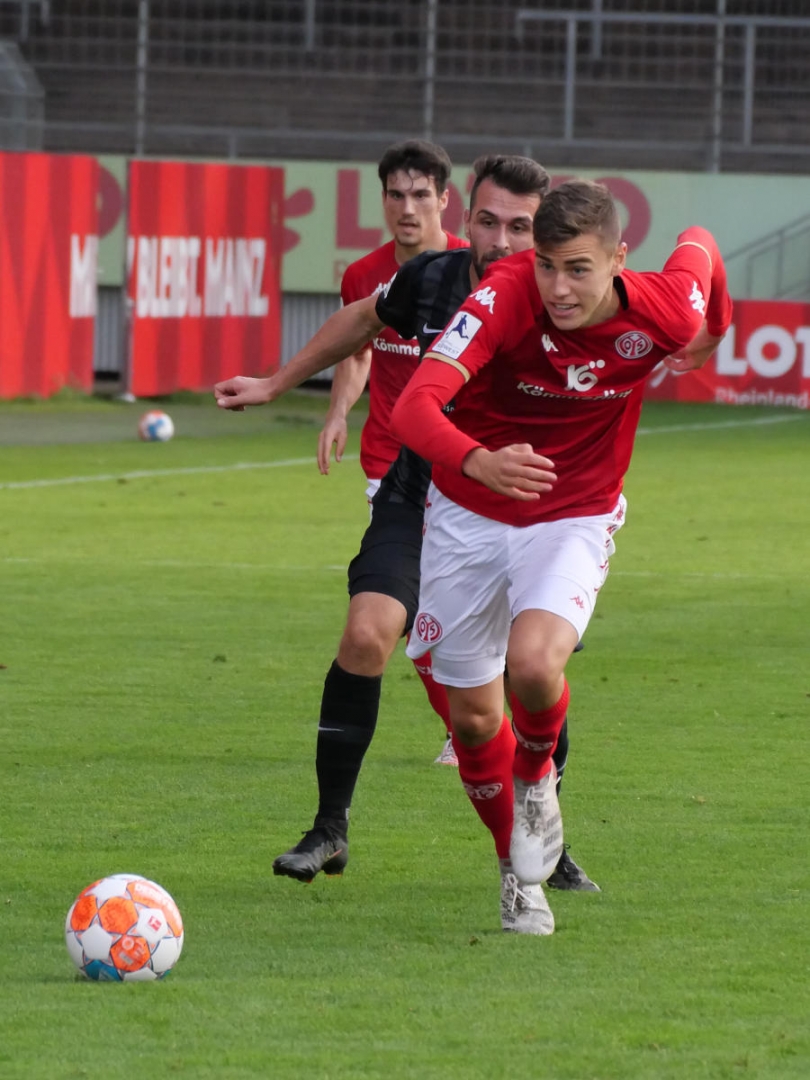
column 536, row 679
column 365, row 648
column 475, row 714
column 473, row 729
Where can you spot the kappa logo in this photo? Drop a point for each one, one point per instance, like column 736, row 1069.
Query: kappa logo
column 427, row 628
column 583, row 376
column 384, row 286
column 696, row 299
column 548, row 344
column 486, row 298
column 482, row 792
column 633, row 345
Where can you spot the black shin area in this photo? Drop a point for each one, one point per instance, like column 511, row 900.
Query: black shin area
column 349, row 710
column 560, row 755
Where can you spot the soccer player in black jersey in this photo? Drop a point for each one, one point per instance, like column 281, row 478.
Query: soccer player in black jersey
column 419, row 302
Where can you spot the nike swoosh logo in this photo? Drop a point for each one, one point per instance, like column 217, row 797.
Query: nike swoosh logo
column 330, row 729
column 432, row 329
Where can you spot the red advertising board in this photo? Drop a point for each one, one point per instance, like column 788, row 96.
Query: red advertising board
column 204, row 270
column 764, row 359
column 48, row 255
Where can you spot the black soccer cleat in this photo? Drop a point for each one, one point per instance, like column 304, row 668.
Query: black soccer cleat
column 570, row 877
column 324, row 847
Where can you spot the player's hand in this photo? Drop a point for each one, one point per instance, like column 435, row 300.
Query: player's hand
column 240, row 391
column 516, row 471
column 682, row 361
column 334, row 433
column 695, row 354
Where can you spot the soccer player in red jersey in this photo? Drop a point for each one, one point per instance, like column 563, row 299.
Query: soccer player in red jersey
column 546, row 363
column 414, row 177
column 422, row 297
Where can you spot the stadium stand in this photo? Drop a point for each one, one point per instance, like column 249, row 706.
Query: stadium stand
column 685, row 84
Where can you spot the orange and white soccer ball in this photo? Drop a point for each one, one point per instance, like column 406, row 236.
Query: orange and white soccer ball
column 155, row 426
column 124, row 928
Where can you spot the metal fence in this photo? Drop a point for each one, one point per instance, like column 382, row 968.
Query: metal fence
column 678, row 84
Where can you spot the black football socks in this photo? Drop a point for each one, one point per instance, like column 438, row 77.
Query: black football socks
column 349, row 709
column 560, row 755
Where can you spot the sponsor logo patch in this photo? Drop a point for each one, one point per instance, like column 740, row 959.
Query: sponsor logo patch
column 583, row 377
column 457, row 336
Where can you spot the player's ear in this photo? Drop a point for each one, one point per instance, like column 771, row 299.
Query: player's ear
column 443, row 200
column 619, row 258
column 467, row 223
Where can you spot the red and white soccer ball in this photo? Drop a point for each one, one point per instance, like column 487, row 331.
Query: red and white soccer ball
column 124, row 928
column 155, row 426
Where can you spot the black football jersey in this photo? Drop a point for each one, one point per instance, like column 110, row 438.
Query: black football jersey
column 419, row 301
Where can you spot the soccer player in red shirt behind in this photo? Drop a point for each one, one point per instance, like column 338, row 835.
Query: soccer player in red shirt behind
column 414, row 176
column 546, row 363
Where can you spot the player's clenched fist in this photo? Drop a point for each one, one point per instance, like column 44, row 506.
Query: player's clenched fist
column 240, row 391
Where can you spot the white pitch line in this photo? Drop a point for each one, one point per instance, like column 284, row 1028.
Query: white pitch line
column 721, row 424
column 148, row 474
column 695, row 574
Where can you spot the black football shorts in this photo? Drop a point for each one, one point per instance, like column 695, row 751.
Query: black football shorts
column 388, row 560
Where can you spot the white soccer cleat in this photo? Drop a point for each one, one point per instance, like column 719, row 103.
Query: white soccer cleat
column 448, row 755
column 537, row 833
column 524, row 908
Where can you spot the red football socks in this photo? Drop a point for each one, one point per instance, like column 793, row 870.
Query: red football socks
column 536, row 734
column 486, row 773
column 437, row 695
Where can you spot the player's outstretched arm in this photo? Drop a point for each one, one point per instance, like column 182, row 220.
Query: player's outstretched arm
column 343, row 334
column 348, row 383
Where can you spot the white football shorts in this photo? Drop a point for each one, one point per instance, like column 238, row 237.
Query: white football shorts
column 478, row 575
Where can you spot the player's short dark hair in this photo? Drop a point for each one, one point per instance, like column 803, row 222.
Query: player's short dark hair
column 416, row 155
column 518, row 175
column 575, row 208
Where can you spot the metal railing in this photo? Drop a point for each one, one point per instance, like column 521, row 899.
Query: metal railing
column 783, row 258
column 720, row 24
column 696, row 84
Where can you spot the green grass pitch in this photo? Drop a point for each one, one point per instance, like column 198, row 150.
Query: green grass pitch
column 169, row 614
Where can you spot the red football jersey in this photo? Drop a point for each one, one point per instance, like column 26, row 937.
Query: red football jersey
column 575, row 396
column 393, row 359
